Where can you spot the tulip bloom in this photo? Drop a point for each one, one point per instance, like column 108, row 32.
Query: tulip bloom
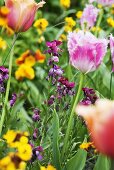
column 22, row 13
column 103, row 2
column 86, row 51
column 112, row 50
column 100, row 122
column 89, row 16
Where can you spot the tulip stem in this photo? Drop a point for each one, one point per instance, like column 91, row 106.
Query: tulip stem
column 70, row 123
column 111, row 76
column 99, row 22
column 112, row 164
column 8, row 86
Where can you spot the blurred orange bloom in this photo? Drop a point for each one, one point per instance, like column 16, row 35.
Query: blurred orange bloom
column 39, row 56
column 100, row 122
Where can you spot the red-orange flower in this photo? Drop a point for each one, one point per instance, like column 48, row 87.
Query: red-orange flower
column 100, row 122
column 39, row 56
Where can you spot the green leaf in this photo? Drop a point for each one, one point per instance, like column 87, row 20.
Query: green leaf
column 78, row 161
column 56, row 152
column 102, row 163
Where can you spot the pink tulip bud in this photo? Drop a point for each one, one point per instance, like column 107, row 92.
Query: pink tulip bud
column 86, row 51
column 100, row 122
column 22, row 13
column 112, row 50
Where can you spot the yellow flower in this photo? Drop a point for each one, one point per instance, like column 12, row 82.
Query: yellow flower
column 62, row 37
column 70, row 23
column 65, row 3
column 49, row 167
column 22, row 165
column 41, row 25
column 30, row 61
column 41, row 39
column 10, row 136
column 86, row 145
column 24, row 71
column 25, row 152
column 3, row 44
column 96, row 29
column 100, row 6
column 79, row 14
column 110, row 21
column 39, row 56
column 4, row 11
column 3, row 16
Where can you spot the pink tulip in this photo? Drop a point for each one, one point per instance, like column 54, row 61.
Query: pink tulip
column 89, row 16
column 100, row 122
column 22, row 13
column 112, row 50
column 103, row 2
column 86, row 51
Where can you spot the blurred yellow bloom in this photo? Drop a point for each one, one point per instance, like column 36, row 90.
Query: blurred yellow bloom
column 79, row 14
column 77, row 29
column 110, row 21
column 41, row 39
column 96, row 29
column 25, row 152
column 30, row 61
column 65, row 3
column 25, row 71
column 3, row 15
column 100, row 6
column 41, row 25
column 49, row 167
column 3, row 44
column 69, row 24
column 10, row 136
column 85, row 145
column 62, row 37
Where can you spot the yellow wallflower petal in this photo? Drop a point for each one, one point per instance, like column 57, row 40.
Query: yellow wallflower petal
column 65, row 3
column 30, row 61
column 10, row 136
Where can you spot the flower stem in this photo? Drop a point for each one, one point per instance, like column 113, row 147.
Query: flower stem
column 69, row 127
column 8, row 86
column 112, row 164
column 111, row 76
column 99, row 21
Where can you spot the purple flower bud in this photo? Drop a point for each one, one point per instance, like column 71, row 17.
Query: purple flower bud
column 55, row 59
column 35, row 134
column 36, row 116
column 13, row 100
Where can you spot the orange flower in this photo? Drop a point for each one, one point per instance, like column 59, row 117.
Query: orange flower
column 22, row 58
column 100, row 122
column 39, row 56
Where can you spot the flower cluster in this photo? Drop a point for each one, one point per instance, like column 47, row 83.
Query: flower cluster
column 69, row 24
column 23, row 153
column 41, row 25
column 65, row 3
column 3, row 76
column 89, row 96
column 3, row 44
column 63, row 86
column 103, row 2
column 26, row 62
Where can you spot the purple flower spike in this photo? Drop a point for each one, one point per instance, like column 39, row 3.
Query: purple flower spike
column 13, row 100
column 3, row 74
column 35, row 134
column 89, row 96
column 36, row 116
column 53, row 47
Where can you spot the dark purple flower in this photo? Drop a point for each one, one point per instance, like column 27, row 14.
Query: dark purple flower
column 3, row 74
column 51, row 100
column 36, row 116
column 13, row 100
column 35, row 134
column 37, row 153
column 89, row 96
column 53, row 47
